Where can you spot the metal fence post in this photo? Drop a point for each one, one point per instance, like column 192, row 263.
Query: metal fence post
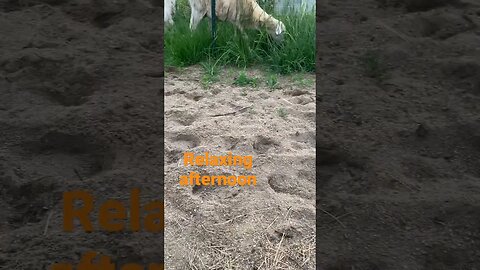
column 214, row 25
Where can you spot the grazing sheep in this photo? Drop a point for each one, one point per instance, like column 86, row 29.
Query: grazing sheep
column 242, row 13
column 168, row 11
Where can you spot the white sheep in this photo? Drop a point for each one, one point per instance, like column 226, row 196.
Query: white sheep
column 242, row 13
column 168, row 12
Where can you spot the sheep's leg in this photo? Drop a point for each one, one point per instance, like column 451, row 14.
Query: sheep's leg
column 196, row 16
column 195, row 19
column 169, row 11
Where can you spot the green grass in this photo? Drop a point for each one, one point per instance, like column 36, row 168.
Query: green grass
column 282, row 112
column 295, row 54
column 244, row 80
column 211, row 70
column 272, row 81
column 300, row 80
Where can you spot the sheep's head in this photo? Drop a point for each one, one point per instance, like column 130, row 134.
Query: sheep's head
column 276, row 30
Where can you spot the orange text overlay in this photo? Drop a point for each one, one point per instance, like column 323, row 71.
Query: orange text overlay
column 103, row 263
column 189, row 159
column 194, row 178
column 113, row 215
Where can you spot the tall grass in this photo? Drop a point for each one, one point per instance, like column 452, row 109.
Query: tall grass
column 295, row 54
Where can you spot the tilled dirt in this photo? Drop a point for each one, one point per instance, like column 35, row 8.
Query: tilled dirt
column 398, row 135
column 398, row 129
column 81, row 94
column 270, row 225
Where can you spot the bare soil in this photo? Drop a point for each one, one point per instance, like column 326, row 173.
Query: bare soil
column 398, row 139
column 80, row 92
column 398, row 135
column 267, row 226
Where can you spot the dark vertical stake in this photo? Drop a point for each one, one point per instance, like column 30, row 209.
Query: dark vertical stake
column 214, row 25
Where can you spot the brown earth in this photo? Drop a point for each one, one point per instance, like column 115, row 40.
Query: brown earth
column 267, row 226
column 398, row 128
column 398, row 135
column 81, row 93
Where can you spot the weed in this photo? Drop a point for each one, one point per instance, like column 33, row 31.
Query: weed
column 301, row 81
column 211, row 70
column 272, row 81
column 210, row 73
column 244, row 80
column 282, row 112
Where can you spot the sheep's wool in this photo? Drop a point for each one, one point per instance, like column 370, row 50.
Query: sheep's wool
column 243, row 13
column 169, row 11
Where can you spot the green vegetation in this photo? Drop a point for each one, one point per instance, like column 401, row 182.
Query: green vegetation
column 244, row 80
column 282, row 112
column 272, row 81
column 295, row 54
column 211, row 70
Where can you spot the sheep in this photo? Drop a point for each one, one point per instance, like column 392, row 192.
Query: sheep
column 242, row 13
column 168, row 12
